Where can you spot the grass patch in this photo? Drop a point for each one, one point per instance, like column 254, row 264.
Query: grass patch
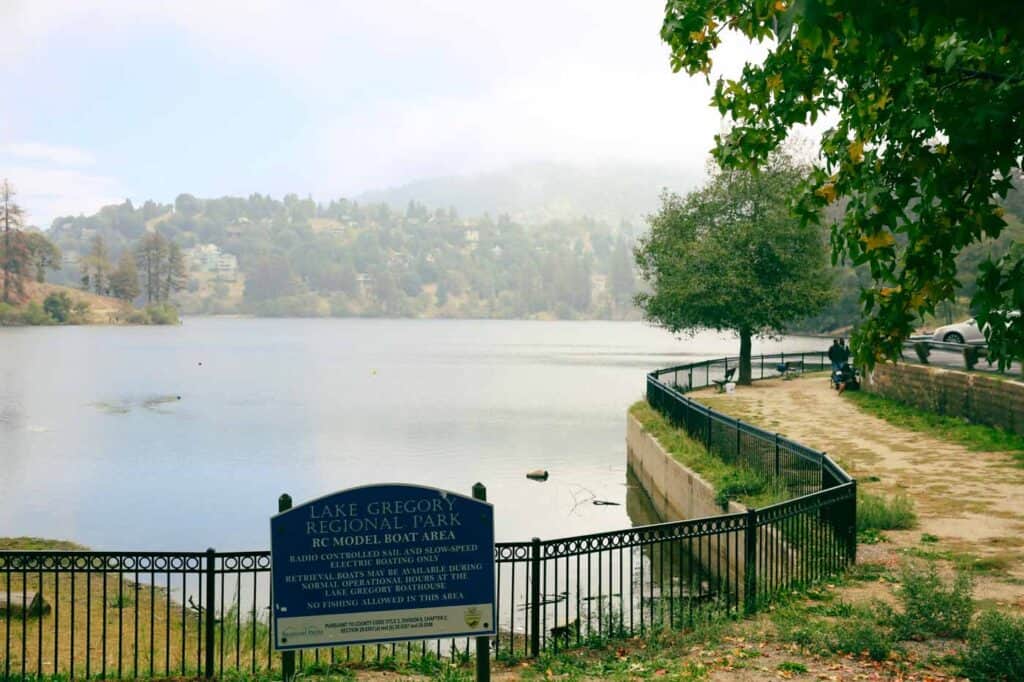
column 730, row 482
column 976, row 437
column 27, row 544
column 877, row 513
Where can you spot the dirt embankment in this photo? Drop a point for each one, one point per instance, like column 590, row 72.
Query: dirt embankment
column 102, row 309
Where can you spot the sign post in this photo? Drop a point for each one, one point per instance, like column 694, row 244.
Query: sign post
column 382, row 563
column 284, row 503
column 483, row 644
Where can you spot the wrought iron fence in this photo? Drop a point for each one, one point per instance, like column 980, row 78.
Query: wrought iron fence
column 139, row 614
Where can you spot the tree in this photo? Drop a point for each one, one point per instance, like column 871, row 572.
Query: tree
column 150, row 255
column 124, row 281
column 96, row 267
column 43, row 253
column 175, row 274
column 13, row 252
column 929, row 98
column 731, row 257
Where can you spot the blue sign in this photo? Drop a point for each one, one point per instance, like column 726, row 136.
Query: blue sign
column 382, row 563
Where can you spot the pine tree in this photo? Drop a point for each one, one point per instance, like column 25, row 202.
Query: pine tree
column 124, row 281
column 13, row 250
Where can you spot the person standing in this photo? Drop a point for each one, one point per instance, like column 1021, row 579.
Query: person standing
column 835, row 355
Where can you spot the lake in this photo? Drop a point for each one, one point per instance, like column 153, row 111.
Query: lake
column 182, row 438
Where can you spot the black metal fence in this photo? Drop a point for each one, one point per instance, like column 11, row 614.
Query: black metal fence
column 159, row 614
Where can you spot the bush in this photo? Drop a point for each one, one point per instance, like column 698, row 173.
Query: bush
column 58, row 306
column 861, row 636
column 163, row 313
column 137, row 317
column 879, row 513
column 930, row 607
column 35, row 315
column 995, row 648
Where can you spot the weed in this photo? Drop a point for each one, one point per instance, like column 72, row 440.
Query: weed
column 930, row 607
column 870, row 536
column 995, row 648
column 928, row 538
column 879, row 513
column 791, row 667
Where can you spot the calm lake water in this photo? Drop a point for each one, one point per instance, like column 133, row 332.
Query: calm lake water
column 97, row 447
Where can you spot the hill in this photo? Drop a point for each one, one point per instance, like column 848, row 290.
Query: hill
column 541, row 192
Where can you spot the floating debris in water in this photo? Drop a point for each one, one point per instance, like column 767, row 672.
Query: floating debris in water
column 537, row 475
column 607, row 503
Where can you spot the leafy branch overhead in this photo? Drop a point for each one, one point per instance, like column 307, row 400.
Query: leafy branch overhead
column 929, row 103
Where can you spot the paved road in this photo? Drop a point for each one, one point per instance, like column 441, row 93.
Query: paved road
column 955, row 360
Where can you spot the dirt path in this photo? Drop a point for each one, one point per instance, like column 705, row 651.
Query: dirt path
column 972, row 501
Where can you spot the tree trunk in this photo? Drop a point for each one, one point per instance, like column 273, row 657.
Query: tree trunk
column 745, row 372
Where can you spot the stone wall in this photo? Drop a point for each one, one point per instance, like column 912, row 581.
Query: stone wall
column 977, row 396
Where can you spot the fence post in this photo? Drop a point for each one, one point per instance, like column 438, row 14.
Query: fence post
column 211, row 584
column 778, row 465
column 851, row 528
column 708, row 437
column 750, row 563
column 483, row 644
column 737, row 440
column 535, row 598
column 284, row 503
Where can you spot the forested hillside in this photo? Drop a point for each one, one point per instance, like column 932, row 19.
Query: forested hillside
column 295, row 257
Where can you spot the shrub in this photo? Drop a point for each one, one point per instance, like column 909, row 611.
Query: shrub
column 34, row 314
column 875, row 512
column 861, row 636
column 930, row 607
column 58, row 306
column 995, row 648
column 163, row 313
column 137, row 317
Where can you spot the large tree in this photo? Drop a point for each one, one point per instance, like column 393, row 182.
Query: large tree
column 929, row 102
column 151, row 257
column 730, row 256
column 96, row 267
column 13, row 251
column 43, row 254
column 124, row 281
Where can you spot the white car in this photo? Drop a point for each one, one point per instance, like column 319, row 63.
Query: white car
column 967, row 331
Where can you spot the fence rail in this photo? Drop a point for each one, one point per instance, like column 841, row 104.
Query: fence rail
column 138, row 614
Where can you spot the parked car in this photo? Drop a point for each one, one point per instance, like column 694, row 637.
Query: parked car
column 968, row 330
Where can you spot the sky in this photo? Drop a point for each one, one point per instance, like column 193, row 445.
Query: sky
column 146, row 100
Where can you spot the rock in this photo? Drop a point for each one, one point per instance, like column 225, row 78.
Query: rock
column 537, row 475
column 15, row 604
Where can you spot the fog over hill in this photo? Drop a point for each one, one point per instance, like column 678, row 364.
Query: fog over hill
column 542, row 191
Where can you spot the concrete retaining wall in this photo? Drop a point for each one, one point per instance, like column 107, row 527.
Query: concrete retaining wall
column 978, row 397
column 679, row 493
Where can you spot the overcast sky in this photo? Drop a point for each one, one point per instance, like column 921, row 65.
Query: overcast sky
column 148, row 99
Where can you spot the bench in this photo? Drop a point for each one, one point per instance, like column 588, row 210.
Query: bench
column 720, row 383
column 790, row 369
